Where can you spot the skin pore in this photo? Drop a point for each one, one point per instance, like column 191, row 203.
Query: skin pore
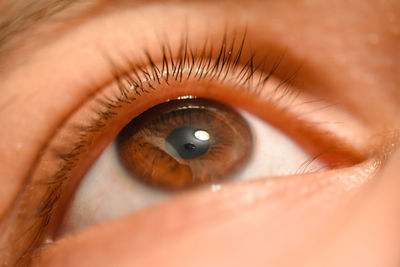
column 342, row 217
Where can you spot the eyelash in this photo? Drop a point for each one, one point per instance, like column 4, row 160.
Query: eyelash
column 212, row 63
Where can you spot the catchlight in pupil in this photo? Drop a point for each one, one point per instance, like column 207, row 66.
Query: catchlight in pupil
column 202, row 135
column 185, row 142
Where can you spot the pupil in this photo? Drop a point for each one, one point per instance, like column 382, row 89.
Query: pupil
column 183, row 143
column 190, row 146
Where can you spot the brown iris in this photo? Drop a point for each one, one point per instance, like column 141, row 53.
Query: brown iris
column 182, row 143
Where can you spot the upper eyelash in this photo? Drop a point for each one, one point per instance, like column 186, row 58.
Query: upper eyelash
column 210, row 63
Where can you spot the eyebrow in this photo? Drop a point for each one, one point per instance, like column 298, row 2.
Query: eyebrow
column 21, row 16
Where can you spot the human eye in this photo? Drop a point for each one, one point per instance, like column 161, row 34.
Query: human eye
column 163, row 94
column 150, row 160
column 241, row 76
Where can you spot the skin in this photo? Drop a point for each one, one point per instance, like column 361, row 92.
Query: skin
column 342, row 217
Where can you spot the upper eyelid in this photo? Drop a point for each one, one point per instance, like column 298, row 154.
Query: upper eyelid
column 125, row 78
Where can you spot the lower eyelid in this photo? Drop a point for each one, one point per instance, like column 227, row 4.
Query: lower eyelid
column 137, row 229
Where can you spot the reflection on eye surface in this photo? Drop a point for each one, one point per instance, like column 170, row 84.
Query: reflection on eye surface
column 221, row 72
